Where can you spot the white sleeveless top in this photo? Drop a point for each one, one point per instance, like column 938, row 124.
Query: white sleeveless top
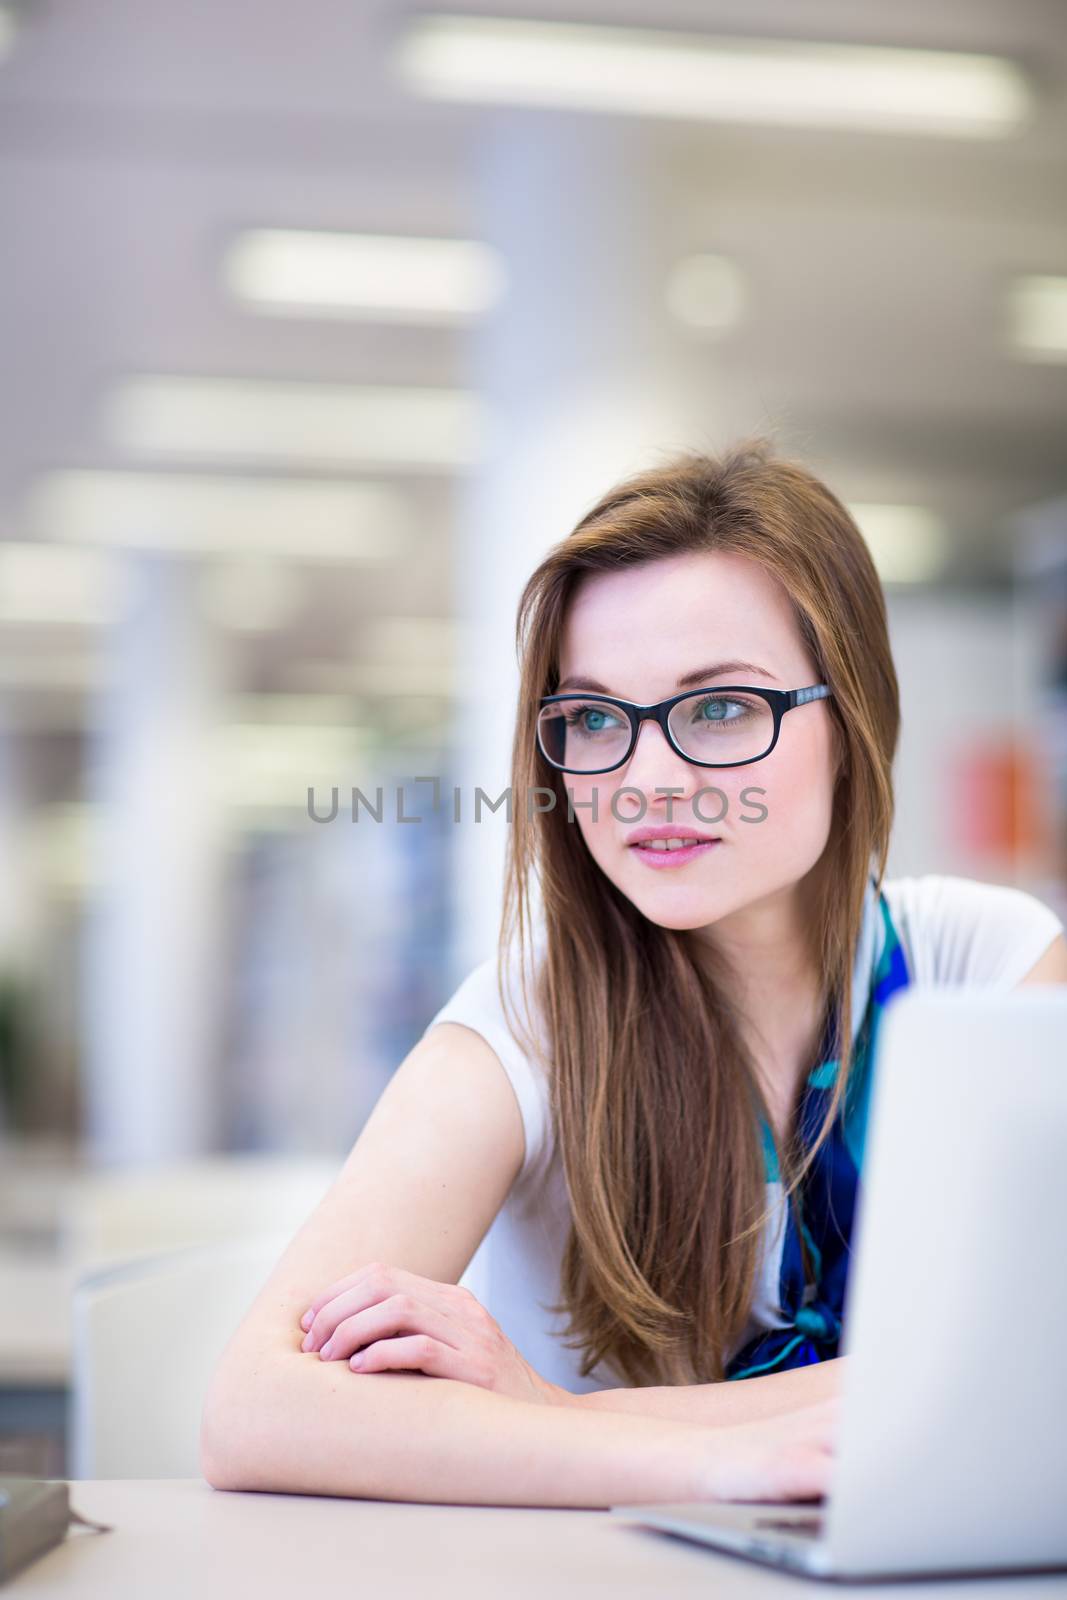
column 954, row 931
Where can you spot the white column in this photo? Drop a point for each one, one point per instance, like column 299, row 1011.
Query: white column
column 586, row 378
column 151, row 962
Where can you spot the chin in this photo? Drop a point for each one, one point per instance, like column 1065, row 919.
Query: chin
column 680, row 924
column 680, row 911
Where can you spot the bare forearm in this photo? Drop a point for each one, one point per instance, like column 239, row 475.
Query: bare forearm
column 722, row 1404
column 298, row 1425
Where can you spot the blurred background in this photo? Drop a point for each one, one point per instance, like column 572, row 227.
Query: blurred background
column 318, row 325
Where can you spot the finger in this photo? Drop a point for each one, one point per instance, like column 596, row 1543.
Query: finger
column 451, row 1298
column 369, row 1284
column 413, row 1353
column 363, row 1298
column 339, row 1286
column 802, row 1473
column 373, row 1269
column 400, row 1314
column 377, row 1283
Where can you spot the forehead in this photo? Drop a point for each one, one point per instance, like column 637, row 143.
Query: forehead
column 663, row 617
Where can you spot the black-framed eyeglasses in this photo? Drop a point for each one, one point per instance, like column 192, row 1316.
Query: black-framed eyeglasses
column 728, row 726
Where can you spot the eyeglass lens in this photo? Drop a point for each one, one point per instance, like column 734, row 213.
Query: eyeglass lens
column 589, row 734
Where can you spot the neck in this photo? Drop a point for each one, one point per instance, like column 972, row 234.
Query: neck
column 766, row 946
column 775, row 984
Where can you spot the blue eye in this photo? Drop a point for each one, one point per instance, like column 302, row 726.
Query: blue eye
column 591, row 719
column 719, row 707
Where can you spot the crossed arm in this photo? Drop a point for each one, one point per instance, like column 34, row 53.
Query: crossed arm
column 404, row 1196
column 383, row 1318
column 724, row 1404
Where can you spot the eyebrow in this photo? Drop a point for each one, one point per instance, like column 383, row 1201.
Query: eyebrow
column 690, row 680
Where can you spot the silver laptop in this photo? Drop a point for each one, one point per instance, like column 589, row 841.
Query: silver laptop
column 951, row 1452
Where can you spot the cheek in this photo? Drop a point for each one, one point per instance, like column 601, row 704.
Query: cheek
column 581, row 794
column 604, row 831
column 798, row 780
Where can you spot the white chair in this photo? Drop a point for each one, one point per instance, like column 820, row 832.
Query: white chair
column 146, row 1339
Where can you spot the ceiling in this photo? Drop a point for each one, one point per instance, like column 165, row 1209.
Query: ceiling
column 136, row 135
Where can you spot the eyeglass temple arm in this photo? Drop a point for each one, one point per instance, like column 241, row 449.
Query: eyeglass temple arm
column 818, row 691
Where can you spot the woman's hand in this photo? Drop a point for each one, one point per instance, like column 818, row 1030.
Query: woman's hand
column 784, row 1457
column 384, row 1318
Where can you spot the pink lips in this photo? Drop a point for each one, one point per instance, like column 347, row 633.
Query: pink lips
column 673, row 858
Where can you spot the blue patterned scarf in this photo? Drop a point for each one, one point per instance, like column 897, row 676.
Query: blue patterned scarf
column 827, row 1197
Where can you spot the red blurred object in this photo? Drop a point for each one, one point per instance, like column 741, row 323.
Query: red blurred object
column 998, row 793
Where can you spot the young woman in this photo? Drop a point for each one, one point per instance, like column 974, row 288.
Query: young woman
column 672, row 1050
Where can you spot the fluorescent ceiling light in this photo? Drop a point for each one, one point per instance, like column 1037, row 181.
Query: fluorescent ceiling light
column 706, row 292
column 314, row 424
column 655, row 73
column 1037, row 314
column 304, row 520
column 368, row 276
column 49, row 583
column 909, row 544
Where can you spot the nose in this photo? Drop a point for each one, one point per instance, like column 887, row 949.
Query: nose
column 653, row 764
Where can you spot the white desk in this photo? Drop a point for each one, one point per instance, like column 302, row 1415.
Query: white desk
column 179, row 1537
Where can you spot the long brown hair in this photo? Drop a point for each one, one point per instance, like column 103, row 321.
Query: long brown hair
column 655, row 1101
